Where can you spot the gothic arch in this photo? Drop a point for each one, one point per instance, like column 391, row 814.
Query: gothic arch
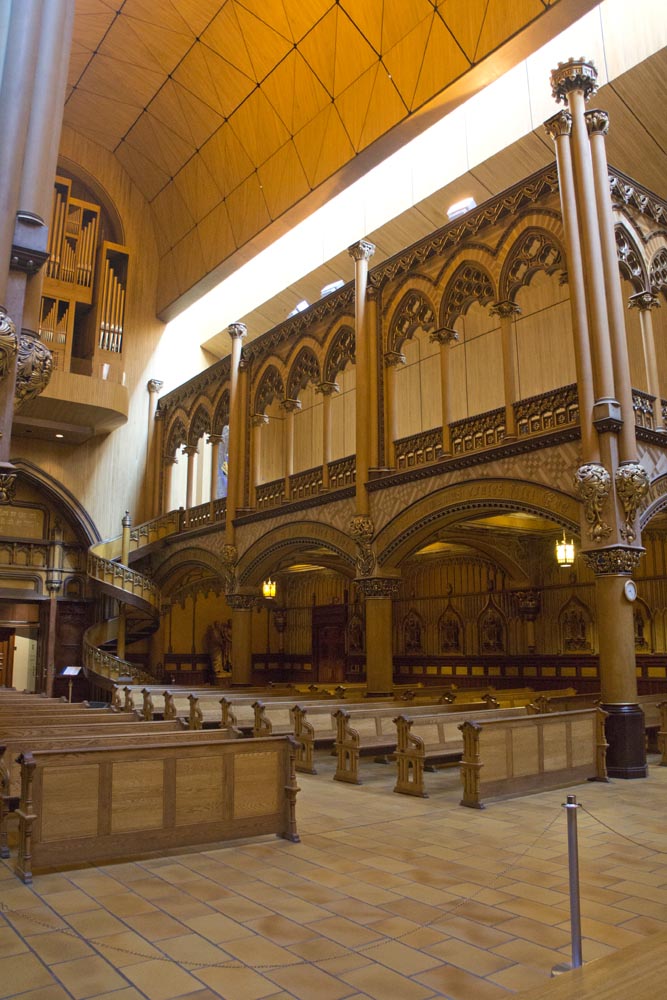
column 340, row 352
column 412, row 632
column 575, row 627
column 451, row 631
column 630, row 258
column 270, row 387
column 491, row 629
column 181, row 560
column 654, row 502
column 176, row 436
column 65, row 501
column 658, row 270
column 470, row 282
column 415, row 310
column 199, row 425
column 305, row 369
column 261, row 558
column 535, row 249
column 221, row 414
column 414, row 525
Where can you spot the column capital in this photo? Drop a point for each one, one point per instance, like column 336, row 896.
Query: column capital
column 214, row 439
column 327, row 388
column 505, row 309
column 559, row 124
column 190, row 449
column 9, row 342
column 236, row 330
column 393, row 359
column 575, row 74
column 617, row 560
column 242, row 602
column 444, row 336
column 363, row 250
column 259, row 419
column 372, row 293
column 291, row 405
column 379, row 586
column 597, row 122
column 644, row 300
column 154, row 385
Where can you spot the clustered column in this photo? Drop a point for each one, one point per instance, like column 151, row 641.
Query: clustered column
column 361, row 252
column 646, row 302
column 445, row 337
column 237, row 331
column 328, row 389
column 506, row 312
column 611, row 483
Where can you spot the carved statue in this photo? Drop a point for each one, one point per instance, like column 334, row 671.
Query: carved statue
column 412, row 633
column 218, row 639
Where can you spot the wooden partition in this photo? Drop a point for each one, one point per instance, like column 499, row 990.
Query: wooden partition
column 502, row 758
column 85, row 805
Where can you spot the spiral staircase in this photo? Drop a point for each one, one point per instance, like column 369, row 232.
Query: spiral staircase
column 139, row 595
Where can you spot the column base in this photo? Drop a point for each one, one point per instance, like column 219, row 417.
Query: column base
column 624, row 729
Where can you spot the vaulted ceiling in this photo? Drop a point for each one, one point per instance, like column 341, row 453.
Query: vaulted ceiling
column 226, row 113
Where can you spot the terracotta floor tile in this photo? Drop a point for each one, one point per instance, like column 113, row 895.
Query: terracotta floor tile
column 19, row 973
column 520, row 977
column 161, row 980
column 192, row 952
column 54, row 993
column 125, row 904
column 528, row 953
column 217, row 928
column 11, row 943
column 59, row 946
column 458, row 984
column 533, row 930
column 86, row 977
column 126, row 948
column 383, row 984
column 72, row 901
column 481, row 935
column 400, row 957
column 478, row 961
column 254, row 952
column 279, row 930
column 237, row 984
column 155, row 926
column 345, row 932
column 309, row 983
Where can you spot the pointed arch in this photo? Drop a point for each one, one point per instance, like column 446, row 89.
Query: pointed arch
column 491, row 629
column 630, row 258
column 304, row 371
column 575, row 627
column 340, row 352
column 177, row 436
column 534, row 250
column 270, row 387
column 199, row 425
column 412, row 632
column 451, row 631
column 221, row 414
column 470, row 282
column 414, row 310
column 658, row 270
column 65, row 501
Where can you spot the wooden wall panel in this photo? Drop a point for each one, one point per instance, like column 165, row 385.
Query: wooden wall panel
column 199, row 790
column 137, row 795
column 70, row 797
column 256, row 777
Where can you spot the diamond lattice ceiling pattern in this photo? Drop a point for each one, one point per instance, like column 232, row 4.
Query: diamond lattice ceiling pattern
column 226, row 113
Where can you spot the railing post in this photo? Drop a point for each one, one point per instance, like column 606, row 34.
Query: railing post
column 573, row 864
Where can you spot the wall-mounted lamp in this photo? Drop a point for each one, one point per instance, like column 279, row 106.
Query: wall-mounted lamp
column 269, row 589
column 565, row 552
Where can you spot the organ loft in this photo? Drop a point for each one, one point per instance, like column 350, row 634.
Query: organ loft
column 333, row 361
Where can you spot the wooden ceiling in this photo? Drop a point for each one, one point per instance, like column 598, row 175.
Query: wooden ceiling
column 226, row 113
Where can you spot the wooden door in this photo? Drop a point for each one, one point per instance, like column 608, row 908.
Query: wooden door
column 329, row 643
column 6, row 656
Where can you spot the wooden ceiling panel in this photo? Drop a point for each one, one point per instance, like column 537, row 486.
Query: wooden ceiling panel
column 443, row 62
column 106, row 75
column 323, row 146
column 368, row 18
column 189, row 258
column 283, row 180
column 170, row 206
column 189, row 117
column 123, row 43
column 104, row 119
column 197, row 187
column 197, row 13
column 258, row 128
column 169, row 17
column 226, row 159
column 265, row 45
column 465, row 21
column 502, row 20
column 146, row 174
column 400, row 18
column 404, row 60
column 168, row 278
column 91, row 24
column 303, row 14
column 385, row 108
column 78, row 60
column 352, row 54
column 166, row 46
column 217, row 238
column 295, row 92
column 247, row 210
column 225, row 36
column 158, row 143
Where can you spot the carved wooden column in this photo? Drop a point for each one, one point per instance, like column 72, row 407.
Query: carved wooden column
column 156, row 466
column 124, row 559
column 259, row 420
column 237, row 331
column 597, row 123
column 445, row 338
column 242, row 499
column 290, row 406
column 506, row 312
column 214, row 440
column 373, row 360
column 54, row 579
column 645, row 302
column 392, row 360
column 361, row 252
column 242, row 607
column 327, row 389
column 169, row 463
column 559, row 128
column 379, row 593
column 153, row 385
column 190, row 451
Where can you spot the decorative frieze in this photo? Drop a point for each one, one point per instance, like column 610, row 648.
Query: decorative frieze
column 379, row 586
column 592, row 483
column 612, row 561
column 631, row 487
column 229, row 557
column 242, row 602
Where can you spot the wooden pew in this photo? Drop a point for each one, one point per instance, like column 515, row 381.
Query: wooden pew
column 422, row 741
column 371, row 732
column 81, row 806
column 515, row 756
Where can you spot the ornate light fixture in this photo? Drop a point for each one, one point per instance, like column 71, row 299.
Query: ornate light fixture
column 565, row 552
column 269, row 589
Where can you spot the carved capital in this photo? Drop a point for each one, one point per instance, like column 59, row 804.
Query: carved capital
column 576, row 74
column 33, row 369
column 190, row 449
column 363, row 250
column 327, row 388
column 379, row 586
column 644, row 301
column 393, row 359
column 613, row 561
column 632, row 485
column 529, row 603
column 291, row 405
column 592, row 483
column 7, row 487
column 597, row 122
column 236, row 330
column 241, row 602
column 229, row 556
column 505, row 309
column 258, row 420
column 361, row 530
column 9, row 343
column 154, row 385
column 444, row 336
column 559, row 125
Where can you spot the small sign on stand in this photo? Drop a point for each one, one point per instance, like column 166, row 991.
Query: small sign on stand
column 70, row 673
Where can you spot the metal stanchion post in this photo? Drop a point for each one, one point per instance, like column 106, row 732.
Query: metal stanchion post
column 575, row 909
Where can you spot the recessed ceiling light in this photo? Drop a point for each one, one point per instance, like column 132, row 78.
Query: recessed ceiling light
column 460, row 208
column 60, row 435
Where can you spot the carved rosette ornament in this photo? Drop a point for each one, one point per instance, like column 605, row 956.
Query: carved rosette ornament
column 8, row 342
column 7, row 487
column 229, row 556
column 379, row 586
column 33, row 368
column 631, row 486
column 361, row 530
column 612, row 561
column 593, row 484
column 241, row 602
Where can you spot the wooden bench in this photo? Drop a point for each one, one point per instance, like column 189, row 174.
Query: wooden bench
column 371, row 732
column 422, row 741
column 506, row 757
column 81, row 806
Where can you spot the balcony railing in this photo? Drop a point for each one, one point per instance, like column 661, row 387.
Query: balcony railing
column 419, row 449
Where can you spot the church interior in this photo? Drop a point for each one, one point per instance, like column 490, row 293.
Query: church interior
column 333, row 391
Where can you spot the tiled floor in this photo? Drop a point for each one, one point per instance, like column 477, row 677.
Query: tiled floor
column 386, row 897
